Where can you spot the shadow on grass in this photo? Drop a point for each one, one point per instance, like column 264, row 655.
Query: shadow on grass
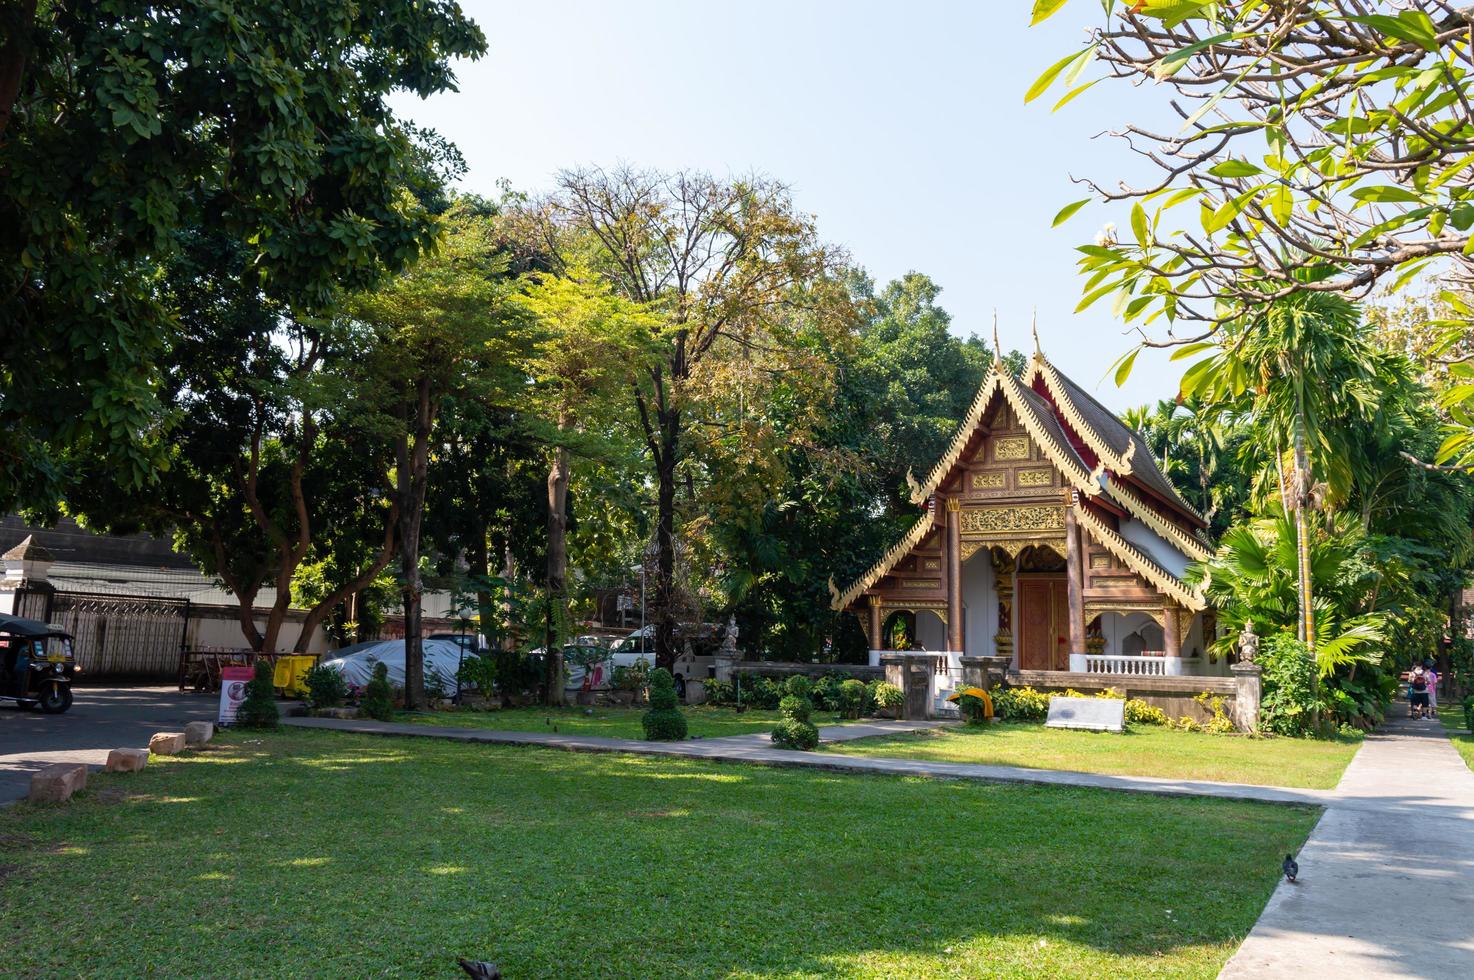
column 364, row 855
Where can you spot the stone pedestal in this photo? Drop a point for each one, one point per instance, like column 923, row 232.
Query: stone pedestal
column 166, row 743
column 57, row 783
column 1247, row 692
column 995, row 669
column 198, row 732
column 974, row 672
column 912, row 674
column 126, row 760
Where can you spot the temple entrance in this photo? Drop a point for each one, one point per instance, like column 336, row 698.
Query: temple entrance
column 1044, row 622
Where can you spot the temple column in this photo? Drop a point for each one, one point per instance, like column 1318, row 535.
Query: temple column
column 875, row 637
column 1171, row 639
column 1075, row 578
column 954, row 574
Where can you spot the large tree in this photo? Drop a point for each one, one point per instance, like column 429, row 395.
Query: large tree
column 724, row 264
column 592, row 347
column 264, row 470
column 122, row 122
column 445, row 329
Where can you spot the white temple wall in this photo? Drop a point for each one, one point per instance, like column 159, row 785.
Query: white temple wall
column 980, row 600
column 931, row 632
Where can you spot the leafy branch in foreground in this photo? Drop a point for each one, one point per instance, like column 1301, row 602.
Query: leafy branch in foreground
column 1321, row 134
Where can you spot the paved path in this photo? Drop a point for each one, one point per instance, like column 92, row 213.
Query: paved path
column 1386, row 884
column 101, row 718
column 758, row 749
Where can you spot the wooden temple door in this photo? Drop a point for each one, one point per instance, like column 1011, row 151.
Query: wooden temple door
column 1044, row 622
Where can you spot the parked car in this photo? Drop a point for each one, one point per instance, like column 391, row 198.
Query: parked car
column 696, row 661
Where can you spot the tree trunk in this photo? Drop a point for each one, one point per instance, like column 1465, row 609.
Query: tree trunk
column 319, row 612
column 557, row 599
column 18, row 23
column 1302, row 537
column 412, row 468
column 665, row 542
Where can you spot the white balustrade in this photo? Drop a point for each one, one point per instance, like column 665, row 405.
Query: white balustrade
column 1138, row 666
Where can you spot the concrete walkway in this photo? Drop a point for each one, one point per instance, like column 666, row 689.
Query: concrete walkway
column 1387, row 877
column 758, row 749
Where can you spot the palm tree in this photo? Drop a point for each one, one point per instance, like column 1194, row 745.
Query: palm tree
column 1253, row 579
column 1303, row 372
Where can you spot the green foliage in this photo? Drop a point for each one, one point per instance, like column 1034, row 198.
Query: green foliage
column 796, row 708
column 1138, row 712
column 972, row 709
column 326, row 687
column 1289, row 705
column 755, row 691
column 798, row 685
column 664, row 722
column 1020, row 703
column 852, row 697
column 259, row 709
column 635, row 677
column 130, row 124
column 719, row 692
column 477, row 672
column 378, row 697
column 1469, row 712
column 791, row 733
column 1220, row 723
column 886, row 695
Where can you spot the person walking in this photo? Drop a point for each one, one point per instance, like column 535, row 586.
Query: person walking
column 1417, row 692
column 1432, row 687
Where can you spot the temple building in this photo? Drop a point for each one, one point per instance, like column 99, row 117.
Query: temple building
column 1047, row 535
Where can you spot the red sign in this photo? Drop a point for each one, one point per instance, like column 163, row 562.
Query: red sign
column 233, row 681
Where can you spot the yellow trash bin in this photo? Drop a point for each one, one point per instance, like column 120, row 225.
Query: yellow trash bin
column 290, row 676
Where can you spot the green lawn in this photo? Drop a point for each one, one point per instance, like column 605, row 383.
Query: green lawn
column 325, row 854
column 1453, row 720
column 701, row 721
column 1144, row 750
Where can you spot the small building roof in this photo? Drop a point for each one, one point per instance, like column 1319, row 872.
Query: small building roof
column 27, row 550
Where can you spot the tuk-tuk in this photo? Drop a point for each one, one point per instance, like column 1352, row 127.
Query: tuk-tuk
column 36, row 665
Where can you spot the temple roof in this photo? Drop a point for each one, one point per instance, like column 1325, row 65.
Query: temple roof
column 1124, row 473
column 1120, row 447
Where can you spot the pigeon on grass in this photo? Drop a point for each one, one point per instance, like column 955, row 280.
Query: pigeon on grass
column 480, row 970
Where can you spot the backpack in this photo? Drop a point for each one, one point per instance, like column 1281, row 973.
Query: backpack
column 1419, row 681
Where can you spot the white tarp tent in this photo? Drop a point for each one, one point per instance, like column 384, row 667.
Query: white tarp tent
column 442, row 658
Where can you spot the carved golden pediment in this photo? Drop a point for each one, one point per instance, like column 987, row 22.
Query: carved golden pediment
column 1035, row 478
column 1014, row 447
column 1007, row 521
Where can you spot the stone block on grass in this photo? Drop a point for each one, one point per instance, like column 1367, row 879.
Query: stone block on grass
column 198, row 732
column 127, row 760
column 56, row 783
column 166, row 743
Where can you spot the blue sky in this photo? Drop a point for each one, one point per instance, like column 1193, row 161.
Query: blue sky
column 900, row 126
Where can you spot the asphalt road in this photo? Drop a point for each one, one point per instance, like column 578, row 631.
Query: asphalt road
column 100, row 719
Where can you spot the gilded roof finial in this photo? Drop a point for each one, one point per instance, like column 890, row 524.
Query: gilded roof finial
column 997, row 347
column 1035, row 328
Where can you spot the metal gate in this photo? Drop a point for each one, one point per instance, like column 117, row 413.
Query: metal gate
column 115, row 634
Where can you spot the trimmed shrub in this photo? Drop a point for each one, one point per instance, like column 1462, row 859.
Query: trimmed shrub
column 852, row 696
column 795, row 731
column 792, row 734
column 326, row 687
column 258, row 710
column 796, row 708
column 378, row 697
column 664, row 721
